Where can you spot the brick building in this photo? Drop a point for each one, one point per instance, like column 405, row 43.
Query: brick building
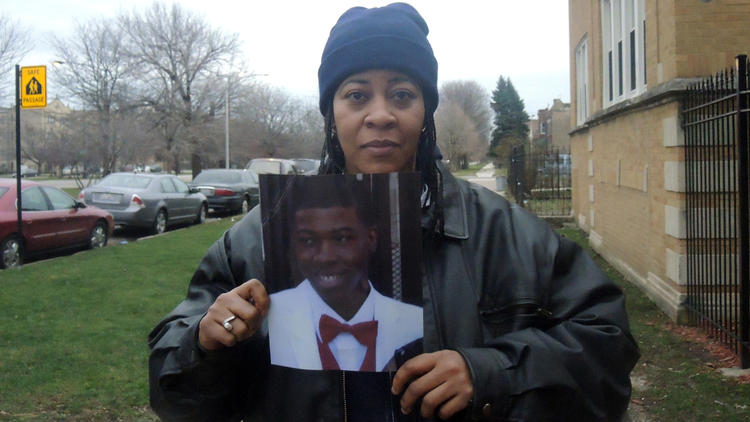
column 630, row 63
column 551, row 126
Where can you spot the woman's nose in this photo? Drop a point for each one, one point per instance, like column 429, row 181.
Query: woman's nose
column 379, row 113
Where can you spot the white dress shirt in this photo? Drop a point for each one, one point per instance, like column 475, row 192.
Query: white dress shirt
column 349, row 352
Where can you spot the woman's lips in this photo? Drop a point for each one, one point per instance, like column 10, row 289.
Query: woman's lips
column 379, row 147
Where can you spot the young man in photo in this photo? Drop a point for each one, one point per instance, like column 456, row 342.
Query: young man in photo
column 335, row 319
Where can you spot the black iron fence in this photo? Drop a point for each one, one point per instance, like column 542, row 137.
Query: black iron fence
column 539, row 180
column 715, row 119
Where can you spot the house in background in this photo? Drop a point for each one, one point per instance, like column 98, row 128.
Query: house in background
column 631, row 61
column 551, row 127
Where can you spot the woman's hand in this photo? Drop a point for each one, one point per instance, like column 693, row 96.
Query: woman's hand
column 441, row 379
column 248, row 303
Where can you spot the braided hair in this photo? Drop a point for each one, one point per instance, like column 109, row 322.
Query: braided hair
column 333, row 161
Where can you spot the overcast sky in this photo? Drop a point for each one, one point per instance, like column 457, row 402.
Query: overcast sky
column 472, row 39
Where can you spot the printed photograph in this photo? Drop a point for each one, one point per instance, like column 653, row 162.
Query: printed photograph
column 342, row 263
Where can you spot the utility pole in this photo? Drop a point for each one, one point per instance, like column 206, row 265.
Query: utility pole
column 226, row 126
column 229, row 77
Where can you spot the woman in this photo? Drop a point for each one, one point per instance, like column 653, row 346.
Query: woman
column 519, row 323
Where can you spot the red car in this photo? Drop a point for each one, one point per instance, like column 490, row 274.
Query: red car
column 52, row 220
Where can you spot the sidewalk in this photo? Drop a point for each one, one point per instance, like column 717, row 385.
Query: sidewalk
column 486, row 177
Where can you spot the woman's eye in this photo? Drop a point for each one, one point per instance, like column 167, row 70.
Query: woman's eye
column 356, row 96
column 403, row 96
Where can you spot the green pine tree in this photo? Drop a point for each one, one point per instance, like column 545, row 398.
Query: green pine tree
column 510, row 119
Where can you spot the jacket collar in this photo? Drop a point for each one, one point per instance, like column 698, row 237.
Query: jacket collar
column 454, row 207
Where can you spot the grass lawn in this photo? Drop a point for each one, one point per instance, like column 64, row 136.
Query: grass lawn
column 559, row 207
column 73, row 343
column 72, row 192
column 677, row 377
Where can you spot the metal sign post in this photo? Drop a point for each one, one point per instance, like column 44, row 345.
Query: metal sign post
column 18, row 157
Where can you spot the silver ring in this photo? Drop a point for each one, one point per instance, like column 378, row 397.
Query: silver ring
column 226, row 323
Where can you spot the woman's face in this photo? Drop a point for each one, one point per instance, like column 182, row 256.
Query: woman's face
column 379, row 115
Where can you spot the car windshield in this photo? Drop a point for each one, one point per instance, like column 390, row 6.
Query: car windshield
column 263, row 167
column 126, row 181
column 306, row 165
column 2, row 191
column 224, row 177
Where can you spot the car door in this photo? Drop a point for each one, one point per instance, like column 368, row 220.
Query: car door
column 251, row 185
column 188, row 201
column 171, row 198
column 40, row 225
column 73, row 228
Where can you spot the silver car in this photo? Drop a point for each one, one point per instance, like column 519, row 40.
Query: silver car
column 153, row 201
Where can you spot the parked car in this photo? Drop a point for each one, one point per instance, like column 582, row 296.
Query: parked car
column 51, row 220
column 232, row 190
column 272, row 166
column 145, row 200
column 28, row 172
column 306, row 165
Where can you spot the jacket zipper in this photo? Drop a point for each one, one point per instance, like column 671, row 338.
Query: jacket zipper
column 343, row 387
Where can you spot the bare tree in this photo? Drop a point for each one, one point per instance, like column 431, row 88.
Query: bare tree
column 457, row 136
column 270, row 116
column 94, row 72
column 43, row 147
column 142, row 142
column 15, row 43
column 308, row 132
column 179, row 54
column 474, row 101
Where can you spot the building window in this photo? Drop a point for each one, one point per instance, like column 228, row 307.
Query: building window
column 624, row 67
column 582, row 81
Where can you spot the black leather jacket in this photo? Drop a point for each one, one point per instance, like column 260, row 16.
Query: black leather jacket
column 543, row 331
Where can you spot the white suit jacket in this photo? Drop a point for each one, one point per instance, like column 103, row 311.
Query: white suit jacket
column 291, row 330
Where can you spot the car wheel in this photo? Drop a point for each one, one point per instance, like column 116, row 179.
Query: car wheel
column 201, row 217
column 10, row 253
column 98, row 236
column 245, row 206
column 160, row 222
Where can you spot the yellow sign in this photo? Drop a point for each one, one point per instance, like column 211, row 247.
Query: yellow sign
column 34, row 87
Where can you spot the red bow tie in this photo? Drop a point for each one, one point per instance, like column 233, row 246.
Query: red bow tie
column 364, row 332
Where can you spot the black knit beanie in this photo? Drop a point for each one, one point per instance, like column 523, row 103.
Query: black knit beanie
column 392, row 37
